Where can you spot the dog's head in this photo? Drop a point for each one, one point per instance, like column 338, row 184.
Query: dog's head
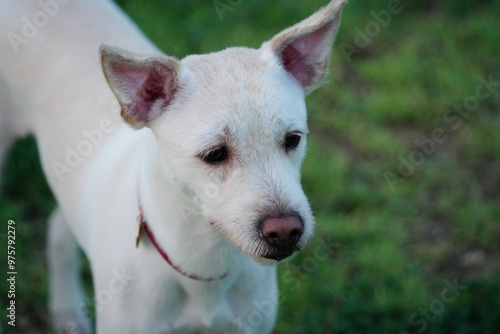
column 231, row 128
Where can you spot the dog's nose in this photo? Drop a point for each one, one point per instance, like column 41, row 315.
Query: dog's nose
column 283, row 232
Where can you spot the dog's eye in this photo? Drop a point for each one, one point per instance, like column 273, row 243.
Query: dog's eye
column 215, row 156
column 292, row 141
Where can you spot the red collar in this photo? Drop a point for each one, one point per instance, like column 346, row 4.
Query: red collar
column 143, row 225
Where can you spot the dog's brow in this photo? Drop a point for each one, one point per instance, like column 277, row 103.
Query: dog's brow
column 211, row 140
column 227, row 131
column 298, row 129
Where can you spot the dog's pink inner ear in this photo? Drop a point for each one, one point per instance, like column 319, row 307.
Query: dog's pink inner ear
column 304, row 48
column 142, row 87
column 304, row 56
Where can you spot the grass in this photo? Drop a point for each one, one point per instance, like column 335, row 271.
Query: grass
column 397, row 223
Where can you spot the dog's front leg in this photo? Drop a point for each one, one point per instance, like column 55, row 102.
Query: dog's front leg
column 67, row 302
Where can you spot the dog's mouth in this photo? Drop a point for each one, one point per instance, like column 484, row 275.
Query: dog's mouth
column 280, row 254
column 274, row 239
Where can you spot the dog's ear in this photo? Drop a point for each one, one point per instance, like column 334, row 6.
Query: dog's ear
column 304, row 48
column 144, row 86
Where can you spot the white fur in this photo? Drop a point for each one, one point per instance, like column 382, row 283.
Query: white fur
column 205, row 217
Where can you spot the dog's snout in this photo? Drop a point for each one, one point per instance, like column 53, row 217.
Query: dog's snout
column 283, row 232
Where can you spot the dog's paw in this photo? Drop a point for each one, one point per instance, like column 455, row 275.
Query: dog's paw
column 71, row 324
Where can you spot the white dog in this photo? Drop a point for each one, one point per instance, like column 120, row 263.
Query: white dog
column 209, row 161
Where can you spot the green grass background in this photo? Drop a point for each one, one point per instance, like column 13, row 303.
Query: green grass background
column 383, row 252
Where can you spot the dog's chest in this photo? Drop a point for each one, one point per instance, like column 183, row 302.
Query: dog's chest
column 197, row 318
column 194, row 308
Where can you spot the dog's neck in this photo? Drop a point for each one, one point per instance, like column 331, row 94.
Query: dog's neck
column 175, row 224
column 144, row 228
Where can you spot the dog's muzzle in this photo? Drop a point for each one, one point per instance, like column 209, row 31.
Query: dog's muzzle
column 282, row 235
